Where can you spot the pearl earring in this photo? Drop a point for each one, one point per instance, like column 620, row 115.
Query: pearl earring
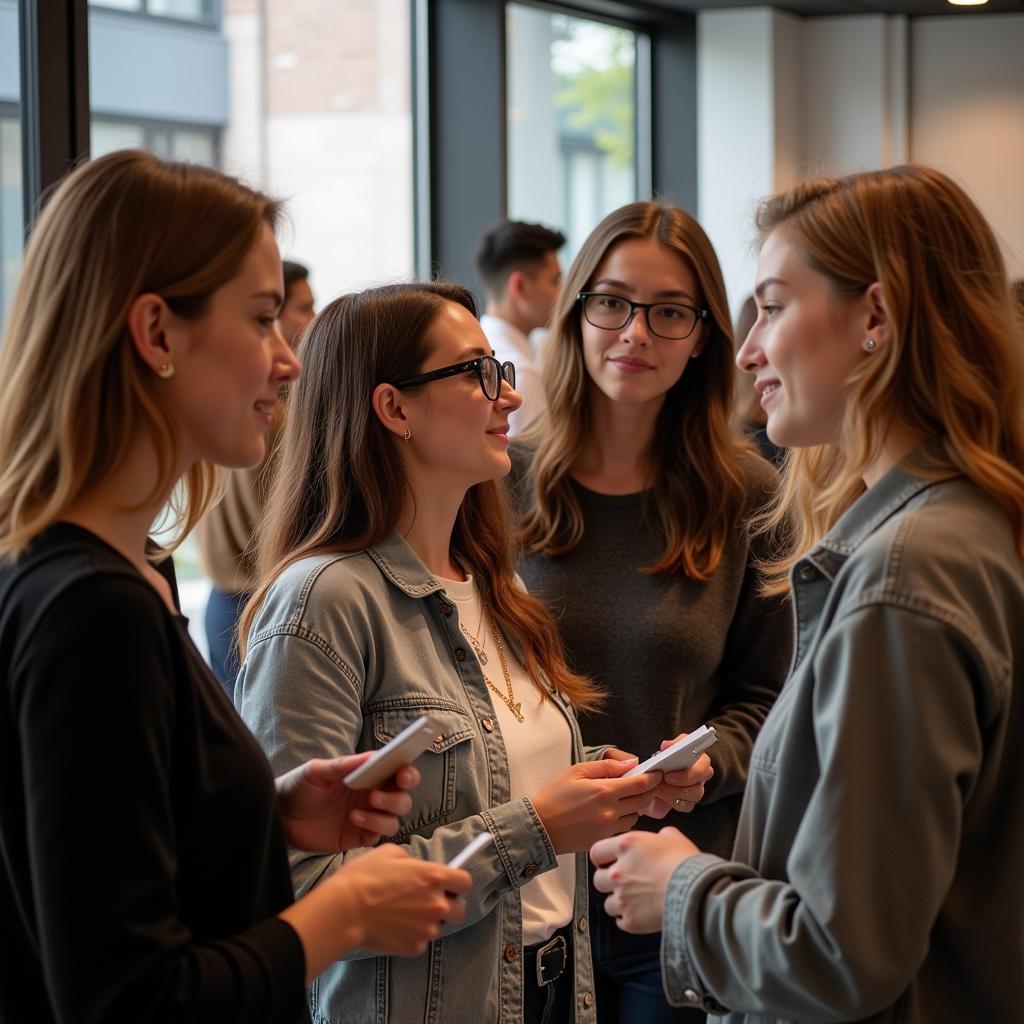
column 166, row 371
column 870, row 344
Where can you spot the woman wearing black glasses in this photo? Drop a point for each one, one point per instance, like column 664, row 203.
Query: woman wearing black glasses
column 386, row 592
column 634, row 496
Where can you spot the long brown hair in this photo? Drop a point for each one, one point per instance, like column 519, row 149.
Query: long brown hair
column 74, row 395
column 341, row 485
column 699, row 490
column 952, row 372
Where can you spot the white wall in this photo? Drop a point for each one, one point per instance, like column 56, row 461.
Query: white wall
column 967, row 113
column 781, row 99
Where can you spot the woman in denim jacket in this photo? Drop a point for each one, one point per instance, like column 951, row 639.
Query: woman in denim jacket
column 877, row 870
column 387, row 592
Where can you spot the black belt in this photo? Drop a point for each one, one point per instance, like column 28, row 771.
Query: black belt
column 552, row 957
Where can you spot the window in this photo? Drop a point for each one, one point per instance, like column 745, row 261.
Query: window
column 12, row 218
column 571, row 120
column 185, row 10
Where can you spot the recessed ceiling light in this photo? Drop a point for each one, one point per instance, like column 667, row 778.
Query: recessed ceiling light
column 967, row 3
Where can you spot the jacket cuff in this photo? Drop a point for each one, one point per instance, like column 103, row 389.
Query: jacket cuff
column 521, row 841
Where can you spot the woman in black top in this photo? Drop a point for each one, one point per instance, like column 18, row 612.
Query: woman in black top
column 142, row 347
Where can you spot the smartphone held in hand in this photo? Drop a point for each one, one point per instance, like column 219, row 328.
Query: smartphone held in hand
column 400, row 751
column 679, row 756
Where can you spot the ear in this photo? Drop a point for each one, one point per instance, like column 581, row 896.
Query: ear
column 516, row 287
column 388, row 404
column 879, row 324
column 148, row 324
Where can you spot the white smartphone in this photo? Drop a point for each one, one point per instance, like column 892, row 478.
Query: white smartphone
column 402, row 750
column 679, row 756
column 471, row 848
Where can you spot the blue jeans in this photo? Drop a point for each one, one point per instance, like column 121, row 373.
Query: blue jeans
column 627, row 974
column 222, row 614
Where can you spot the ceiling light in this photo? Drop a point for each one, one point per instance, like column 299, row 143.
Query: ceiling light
column 967, row 3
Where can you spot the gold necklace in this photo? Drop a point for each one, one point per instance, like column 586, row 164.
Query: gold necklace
column 480, row 653
column 509, row 701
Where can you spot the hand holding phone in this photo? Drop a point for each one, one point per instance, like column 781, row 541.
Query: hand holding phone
column 402, row 750
column 680, row 755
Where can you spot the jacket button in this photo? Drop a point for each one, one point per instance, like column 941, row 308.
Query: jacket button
column 581, row 924
column 510, row 953
column 488, row 724
column 460, row 654
column 446, row 609
column 588, row 1000
column 530, row 871
column 806, row 573
column 691, row 996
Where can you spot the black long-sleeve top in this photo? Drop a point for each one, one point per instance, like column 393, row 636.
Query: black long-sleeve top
column 122, row 766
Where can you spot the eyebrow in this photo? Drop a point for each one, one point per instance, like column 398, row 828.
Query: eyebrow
column 276, row 297
column 471, row 353
column 669, row 292
column 762, row 285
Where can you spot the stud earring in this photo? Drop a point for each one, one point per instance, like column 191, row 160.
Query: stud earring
column 166, row 371
column 870, row 344
column 406, row 436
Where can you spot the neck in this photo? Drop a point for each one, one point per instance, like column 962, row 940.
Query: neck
column 615, row 453
column 899, row 443
column 121, row 509
column 427, row 523
column 504, row 310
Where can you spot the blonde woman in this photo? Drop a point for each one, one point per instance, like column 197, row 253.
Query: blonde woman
column 143, row 872
column 877, row 872
column 634, row 493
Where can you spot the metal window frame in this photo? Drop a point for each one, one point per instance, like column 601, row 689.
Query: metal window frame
column 54, row 41
column 459, row 134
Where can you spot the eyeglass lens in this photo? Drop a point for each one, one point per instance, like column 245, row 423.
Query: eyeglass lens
column 665, row 319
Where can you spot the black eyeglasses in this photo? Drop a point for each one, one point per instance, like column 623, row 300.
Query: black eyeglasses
column 673, row 321
column 488, row 371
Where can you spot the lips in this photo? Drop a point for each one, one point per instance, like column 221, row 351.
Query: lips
column 630, row 364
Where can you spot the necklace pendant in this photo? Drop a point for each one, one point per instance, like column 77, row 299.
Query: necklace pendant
column 517, row 710
column 482, row 655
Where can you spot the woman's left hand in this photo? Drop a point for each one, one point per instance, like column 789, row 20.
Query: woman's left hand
column 635, row 868
column 322, row 814
column 677, row 791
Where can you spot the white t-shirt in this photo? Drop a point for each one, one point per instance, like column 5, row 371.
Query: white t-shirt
column 511, row 345
column 538, row 748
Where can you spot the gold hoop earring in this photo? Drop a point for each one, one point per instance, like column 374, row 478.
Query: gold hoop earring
column 166, row 371
column 406, row 436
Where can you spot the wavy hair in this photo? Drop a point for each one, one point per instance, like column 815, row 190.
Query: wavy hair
column 699, row 492
column 341, row 484
column 74, row 395
column 952, row 373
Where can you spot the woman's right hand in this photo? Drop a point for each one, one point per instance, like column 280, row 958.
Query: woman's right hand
column 589, row 801
column 402, row 903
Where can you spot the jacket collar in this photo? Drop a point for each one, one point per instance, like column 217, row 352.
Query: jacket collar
column 402, row 566
column 874, row 507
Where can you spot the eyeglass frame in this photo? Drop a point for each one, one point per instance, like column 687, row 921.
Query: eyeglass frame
column 699, row 314
column 506, row 375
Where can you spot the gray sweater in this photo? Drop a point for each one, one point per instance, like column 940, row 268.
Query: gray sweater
column 670, row 653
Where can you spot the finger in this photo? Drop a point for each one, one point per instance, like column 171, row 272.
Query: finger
column 330, row 770
column 393, row 802
column 670, row 830
column 626, row 822
column 379, row 824
column 457, row 881
column 614, row 754
column 606, row 768
column 457, row 913
column 613, row 905
column 605, row 852
column 603, row 880
column 635, row 784
column 668, row 743
column 406, row 777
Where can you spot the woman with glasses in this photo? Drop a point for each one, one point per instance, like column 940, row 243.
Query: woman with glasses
column 387, row 592
column 877, row 870
column 634, row 496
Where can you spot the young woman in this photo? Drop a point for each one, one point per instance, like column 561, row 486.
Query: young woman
column 877, row 868
column 142, row 838
column 388, row 592
column 634, row 495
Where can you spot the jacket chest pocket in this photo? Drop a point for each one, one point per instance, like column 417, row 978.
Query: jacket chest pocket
column 439, row 765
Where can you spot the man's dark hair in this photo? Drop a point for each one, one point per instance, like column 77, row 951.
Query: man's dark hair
column 512, row 245
column 293, row 272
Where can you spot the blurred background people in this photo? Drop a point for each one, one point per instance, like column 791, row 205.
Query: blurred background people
column 520, row 273
column 225, row 534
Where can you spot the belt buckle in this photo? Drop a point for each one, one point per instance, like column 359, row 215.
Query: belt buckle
column 551, row 960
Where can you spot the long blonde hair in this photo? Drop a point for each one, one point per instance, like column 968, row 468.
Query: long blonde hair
column 341, row 485
column 74, row 395
column 952, row 372
column 699, row 489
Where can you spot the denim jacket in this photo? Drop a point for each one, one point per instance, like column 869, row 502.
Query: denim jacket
column 347, row 651
column 878, row 872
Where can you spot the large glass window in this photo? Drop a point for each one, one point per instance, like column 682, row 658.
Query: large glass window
column 12, row 222
column 571, row 119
